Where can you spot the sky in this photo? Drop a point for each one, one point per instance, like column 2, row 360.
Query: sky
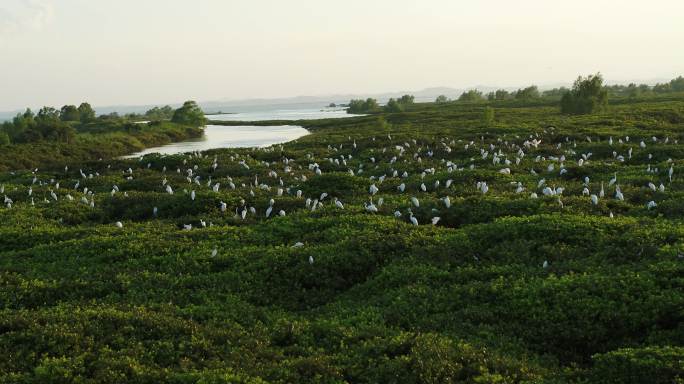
column 131, row 52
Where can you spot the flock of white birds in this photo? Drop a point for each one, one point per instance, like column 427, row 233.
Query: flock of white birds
column 406, row 163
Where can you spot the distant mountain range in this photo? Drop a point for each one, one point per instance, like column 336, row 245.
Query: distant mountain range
column 308, row 102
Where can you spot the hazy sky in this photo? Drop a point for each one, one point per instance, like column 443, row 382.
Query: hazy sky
column 54, row 52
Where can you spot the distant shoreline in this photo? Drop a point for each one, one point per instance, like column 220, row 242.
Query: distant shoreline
column 220, row 113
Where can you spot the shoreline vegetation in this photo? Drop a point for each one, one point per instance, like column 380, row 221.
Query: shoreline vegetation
column 504, row 241
column 53, row 138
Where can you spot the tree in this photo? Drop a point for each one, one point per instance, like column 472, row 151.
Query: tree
column 662, row 88
column 501, row 94
column 19, row 124
column 529, row 93
column 69, row 113
column 47, row 114
column 362, row 106
column 189, row 114
column 677, row 85
column 393, row 106
column 586, row 96
column 471, row 95
column 163, row 113
column 406, row 100
column 372, row 104
column 441, row 99
column 356, row 106
column 86, row 112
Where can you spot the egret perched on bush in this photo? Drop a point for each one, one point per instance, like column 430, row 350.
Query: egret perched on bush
column 447, row 202
column 613, row 180
column 594, row 199
column 415, row 202
column 373, row 189
column 370, row 207
column 413, row 219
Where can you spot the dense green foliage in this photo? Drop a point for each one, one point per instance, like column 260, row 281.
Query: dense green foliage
column 86, row 113
column 96, row 141
column 359, row 106
column 62, row 136
column 675, row 85
column 399, row 105
column 531, row 92
column 52, row 125
column 471, row 95
column 499, row 94
column 189, row 114
column 586, row 96
column 157, row 113
column 48, row 124
column 154, row 114
column 526, row 94
column 513, row 284
column 441, row 99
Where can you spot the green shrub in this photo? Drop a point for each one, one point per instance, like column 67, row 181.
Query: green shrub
column 652, row 365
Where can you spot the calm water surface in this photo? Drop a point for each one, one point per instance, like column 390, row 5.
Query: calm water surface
column 284, row 114
column 218, row 136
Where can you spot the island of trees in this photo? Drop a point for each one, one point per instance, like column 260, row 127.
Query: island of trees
column 72, row 133
column 61, row 125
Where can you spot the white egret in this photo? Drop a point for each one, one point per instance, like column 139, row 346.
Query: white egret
column 594, row 199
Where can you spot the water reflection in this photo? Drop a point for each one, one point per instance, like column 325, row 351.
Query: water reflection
column 218, row 136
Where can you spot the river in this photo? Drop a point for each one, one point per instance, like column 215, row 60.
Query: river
column 219, row 136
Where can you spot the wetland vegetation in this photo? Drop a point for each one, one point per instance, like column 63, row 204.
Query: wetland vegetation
column 482, row 240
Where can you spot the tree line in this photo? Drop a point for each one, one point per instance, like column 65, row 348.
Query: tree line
column 587, row 95
column 360, row 106
column 51, row 124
